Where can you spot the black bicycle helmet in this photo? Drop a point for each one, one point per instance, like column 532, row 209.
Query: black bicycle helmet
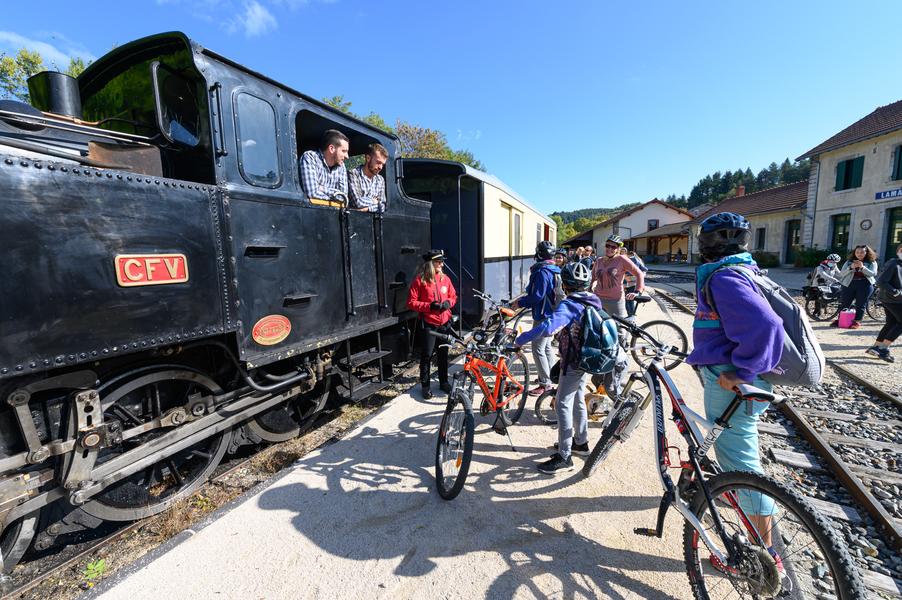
column 544, row 250
column 724, row 234
column 576, row 276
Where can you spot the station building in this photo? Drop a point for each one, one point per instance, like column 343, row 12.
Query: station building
column 855, row 191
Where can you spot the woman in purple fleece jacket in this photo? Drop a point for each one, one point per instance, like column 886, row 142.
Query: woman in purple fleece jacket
column 736, row 343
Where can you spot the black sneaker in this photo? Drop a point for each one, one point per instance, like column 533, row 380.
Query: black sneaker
column 885, row 355
column 874, row 351
column 556, row 464
column 445, row 387
column 577, row 449
column 427, row 393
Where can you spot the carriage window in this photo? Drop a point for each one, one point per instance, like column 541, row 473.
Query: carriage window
column 258, row 154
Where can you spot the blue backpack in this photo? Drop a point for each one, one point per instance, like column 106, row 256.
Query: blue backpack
column 597, row 348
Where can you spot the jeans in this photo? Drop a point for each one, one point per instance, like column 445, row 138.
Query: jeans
column 859, row 291
column 427, row 347
column 572, row 415
column 893, row 327
column 737, row 447
column 631, row 305
column 543, row 356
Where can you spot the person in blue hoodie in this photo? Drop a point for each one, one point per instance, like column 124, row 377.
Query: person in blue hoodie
column 736, row 342
column 540, row 298
column 564, row 321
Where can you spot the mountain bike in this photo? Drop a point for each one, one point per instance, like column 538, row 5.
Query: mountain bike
column 501, row 374
column 745, row 533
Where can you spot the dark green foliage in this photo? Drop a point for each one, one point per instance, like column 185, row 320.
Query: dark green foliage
column 718, row 186
column 810, row 257
column 766, row 260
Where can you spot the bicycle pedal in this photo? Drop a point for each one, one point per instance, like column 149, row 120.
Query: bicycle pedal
column 646, row 531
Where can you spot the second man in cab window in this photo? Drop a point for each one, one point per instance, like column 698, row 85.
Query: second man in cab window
column 366, row 186
column 323, row 173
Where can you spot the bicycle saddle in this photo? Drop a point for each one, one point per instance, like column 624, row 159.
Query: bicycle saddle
column 750, row 392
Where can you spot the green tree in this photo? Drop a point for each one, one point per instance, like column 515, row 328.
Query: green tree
column 15, row 71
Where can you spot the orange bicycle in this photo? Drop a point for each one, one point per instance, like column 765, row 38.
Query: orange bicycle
column 502, row 375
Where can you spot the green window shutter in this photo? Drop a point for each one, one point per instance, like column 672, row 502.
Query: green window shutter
column 840, row 176
column 857, row 171
column 897, row 164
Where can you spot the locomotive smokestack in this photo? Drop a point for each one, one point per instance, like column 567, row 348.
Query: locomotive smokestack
column 55, row 93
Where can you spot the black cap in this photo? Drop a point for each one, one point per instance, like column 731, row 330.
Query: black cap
column 434, row 255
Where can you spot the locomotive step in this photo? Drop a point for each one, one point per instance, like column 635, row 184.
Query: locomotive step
column 362, row 358
column 362, row 391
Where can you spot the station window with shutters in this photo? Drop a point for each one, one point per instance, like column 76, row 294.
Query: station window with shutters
column 848, row 174
column 840, row 227
column 897, row 163
column 760, row 236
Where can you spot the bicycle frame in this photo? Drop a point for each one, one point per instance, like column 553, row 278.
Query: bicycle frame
column 687, row 422
column 475, row 365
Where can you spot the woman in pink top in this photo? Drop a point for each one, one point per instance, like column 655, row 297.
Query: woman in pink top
column 608, row 274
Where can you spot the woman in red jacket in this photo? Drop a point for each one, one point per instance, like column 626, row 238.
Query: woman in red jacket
column 432, row 295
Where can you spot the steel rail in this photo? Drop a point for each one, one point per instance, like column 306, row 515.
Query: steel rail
column 849, row 481
column 877, row 391
column 674, row 301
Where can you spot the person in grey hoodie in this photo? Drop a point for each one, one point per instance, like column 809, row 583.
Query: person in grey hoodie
column 857, row 276
column 890, row 295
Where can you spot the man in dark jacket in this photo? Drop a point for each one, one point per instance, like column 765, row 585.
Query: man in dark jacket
column 540, row 298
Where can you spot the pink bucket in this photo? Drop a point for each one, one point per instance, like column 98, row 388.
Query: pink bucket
column 846, row 318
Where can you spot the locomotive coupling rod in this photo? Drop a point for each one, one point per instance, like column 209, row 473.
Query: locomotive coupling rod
column 177, row 440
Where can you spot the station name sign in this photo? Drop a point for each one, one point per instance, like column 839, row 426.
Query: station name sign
column 896, row 193
column 150, row 269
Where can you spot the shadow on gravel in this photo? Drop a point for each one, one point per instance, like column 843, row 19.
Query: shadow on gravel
column 376, row 501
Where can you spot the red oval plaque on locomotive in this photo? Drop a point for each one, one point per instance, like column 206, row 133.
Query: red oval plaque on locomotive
column 271, row 330
column 151, row 269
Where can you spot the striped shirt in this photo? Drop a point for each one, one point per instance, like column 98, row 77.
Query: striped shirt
column 318, row 180
column 365, row 193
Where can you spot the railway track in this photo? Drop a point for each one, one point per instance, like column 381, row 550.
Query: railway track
column 842, row 444
column 24, row 582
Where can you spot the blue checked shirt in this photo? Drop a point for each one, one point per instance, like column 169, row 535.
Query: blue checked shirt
column 318, row 180
column 365, row 193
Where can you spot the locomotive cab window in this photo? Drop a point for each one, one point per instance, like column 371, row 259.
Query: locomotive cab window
column 255, row 129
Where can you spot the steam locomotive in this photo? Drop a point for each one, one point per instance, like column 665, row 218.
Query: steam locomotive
column 169, row 293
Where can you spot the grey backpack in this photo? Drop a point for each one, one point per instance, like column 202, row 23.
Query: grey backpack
column 802, row 362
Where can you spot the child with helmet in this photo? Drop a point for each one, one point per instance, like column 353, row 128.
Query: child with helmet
column 735, row 344
column 573, row 418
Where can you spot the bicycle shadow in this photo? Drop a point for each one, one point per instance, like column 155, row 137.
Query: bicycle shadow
column 375, row 495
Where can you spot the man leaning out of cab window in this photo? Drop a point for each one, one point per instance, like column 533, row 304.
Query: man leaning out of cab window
column 366, row 187
column 323, row 173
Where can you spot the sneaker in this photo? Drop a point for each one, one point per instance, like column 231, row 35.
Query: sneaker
column 874, row 351
column 885, row 355
column 556, row 464
column 835, row 323
column 427, row 393
column 445, row 387
column 855, row 325
column 538, row 390
column 577, row 449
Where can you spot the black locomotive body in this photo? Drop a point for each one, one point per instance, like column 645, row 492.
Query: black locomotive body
column 168, row 291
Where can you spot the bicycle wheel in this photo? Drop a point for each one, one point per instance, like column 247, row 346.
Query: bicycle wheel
column 544, row 408
column 797, row 553
column 664, row 332
column 454, row 448
column 820, row 309
column 614, row 428
column 875, row 309
column 519, row 369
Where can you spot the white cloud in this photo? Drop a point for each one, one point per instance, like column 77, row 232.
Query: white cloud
column 55, row 55
column 255, row 21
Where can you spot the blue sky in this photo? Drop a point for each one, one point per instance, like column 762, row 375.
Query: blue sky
column 572, row 104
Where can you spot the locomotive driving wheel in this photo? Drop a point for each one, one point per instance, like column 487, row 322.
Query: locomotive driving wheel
column 290, row 419
column 16, row 538
column 138, row 398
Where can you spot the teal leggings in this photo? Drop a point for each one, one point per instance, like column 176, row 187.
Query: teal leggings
column 737, row 447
